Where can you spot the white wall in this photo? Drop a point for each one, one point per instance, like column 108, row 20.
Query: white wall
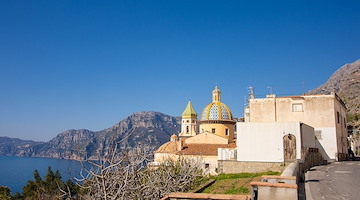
column 227, row 154
column 326, row 142
column 263, row 141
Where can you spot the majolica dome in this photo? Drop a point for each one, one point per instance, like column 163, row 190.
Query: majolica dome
column 216, row 110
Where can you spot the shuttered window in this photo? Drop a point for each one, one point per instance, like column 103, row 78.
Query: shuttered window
column 297, row 107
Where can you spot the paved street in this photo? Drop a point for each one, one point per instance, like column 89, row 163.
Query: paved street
column 339, row 180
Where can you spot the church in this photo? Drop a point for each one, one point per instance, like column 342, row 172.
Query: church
column 201, row 138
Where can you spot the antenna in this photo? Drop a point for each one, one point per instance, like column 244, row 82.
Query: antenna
column 251, row 92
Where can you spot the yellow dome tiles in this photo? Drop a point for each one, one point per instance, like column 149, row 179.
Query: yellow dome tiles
column 216, row 110
column 189, row 111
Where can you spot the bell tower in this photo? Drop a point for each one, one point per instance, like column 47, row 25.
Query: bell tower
column 189, row 126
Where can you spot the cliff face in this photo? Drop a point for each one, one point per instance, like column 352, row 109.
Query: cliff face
column 67, row 145
column 143, row 128
column 346, row 83
column 15, row 146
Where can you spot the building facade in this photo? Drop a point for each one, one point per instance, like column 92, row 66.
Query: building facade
column 325, row 113
column 273, row 141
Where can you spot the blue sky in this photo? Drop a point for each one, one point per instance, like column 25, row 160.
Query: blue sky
column 89, row 64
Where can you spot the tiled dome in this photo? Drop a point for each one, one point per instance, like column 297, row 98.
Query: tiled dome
column 216, row 111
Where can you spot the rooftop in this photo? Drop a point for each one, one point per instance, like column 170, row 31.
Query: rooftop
column 204, row 149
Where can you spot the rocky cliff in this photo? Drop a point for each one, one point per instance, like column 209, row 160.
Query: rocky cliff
column 346, row 83
column 15, row 146
column 143, row 128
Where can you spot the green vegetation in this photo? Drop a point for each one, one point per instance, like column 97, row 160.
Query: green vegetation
column 243, row 175
column 240, row 190
column 234, row 183
column 353, row 117
column 5, row 193
column 49, row 189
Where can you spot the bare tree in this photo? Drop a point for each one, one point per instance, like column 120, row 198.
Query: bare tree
column 123, row 174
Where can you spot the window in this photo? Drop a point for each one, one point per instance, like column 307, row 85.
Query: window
column 187, row 121
column 213, row 130
column 297, row 107
column 318, row 134
column 227, row 132
column 345, row 122
column 338, row 117
column 187, row 129
column 207, row 165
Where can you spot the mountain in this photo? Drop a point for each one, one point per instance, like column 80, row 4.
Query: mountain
column 346, row 83
column 21, row 147
column 142, row 128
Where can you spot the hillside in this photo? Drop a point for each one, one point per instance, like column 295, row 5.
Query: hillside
column 346, row 83
column 22, row 147
column 142, row 128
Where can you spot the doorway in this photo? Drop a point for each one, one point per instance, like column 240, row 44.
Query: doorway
column 289, row 142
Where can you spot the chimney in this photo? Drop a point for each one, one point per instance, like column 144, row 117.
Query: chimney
column 270, row 96
column 180, row 145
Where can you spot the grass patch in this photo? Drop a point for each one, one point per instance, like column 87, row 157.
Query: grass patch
column 243, row 175
column 240, row 190
column 235, row 183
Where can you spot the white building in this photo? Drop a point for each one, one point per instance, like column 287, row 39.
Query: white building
column 273, row 141
column 325, row 113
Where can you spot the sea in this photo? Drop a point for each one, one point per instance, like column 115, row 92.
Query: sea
column 16, row 171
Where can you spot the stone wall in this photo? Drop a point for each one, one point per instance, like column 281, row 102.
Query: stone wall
column 290, row 185
column 312, row 157
column 233, row 166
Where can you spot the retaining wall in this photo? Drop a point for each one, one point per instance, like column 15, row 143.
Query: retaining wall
column 290, row 185
column 233, row 166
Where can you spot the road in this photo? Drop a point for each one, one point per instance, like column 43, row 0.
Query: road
column 338, row 180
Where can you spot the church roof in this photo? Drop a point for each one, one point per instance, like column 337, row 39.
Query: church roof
column 189, row 111
column 168, row 147
column 204, row 149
